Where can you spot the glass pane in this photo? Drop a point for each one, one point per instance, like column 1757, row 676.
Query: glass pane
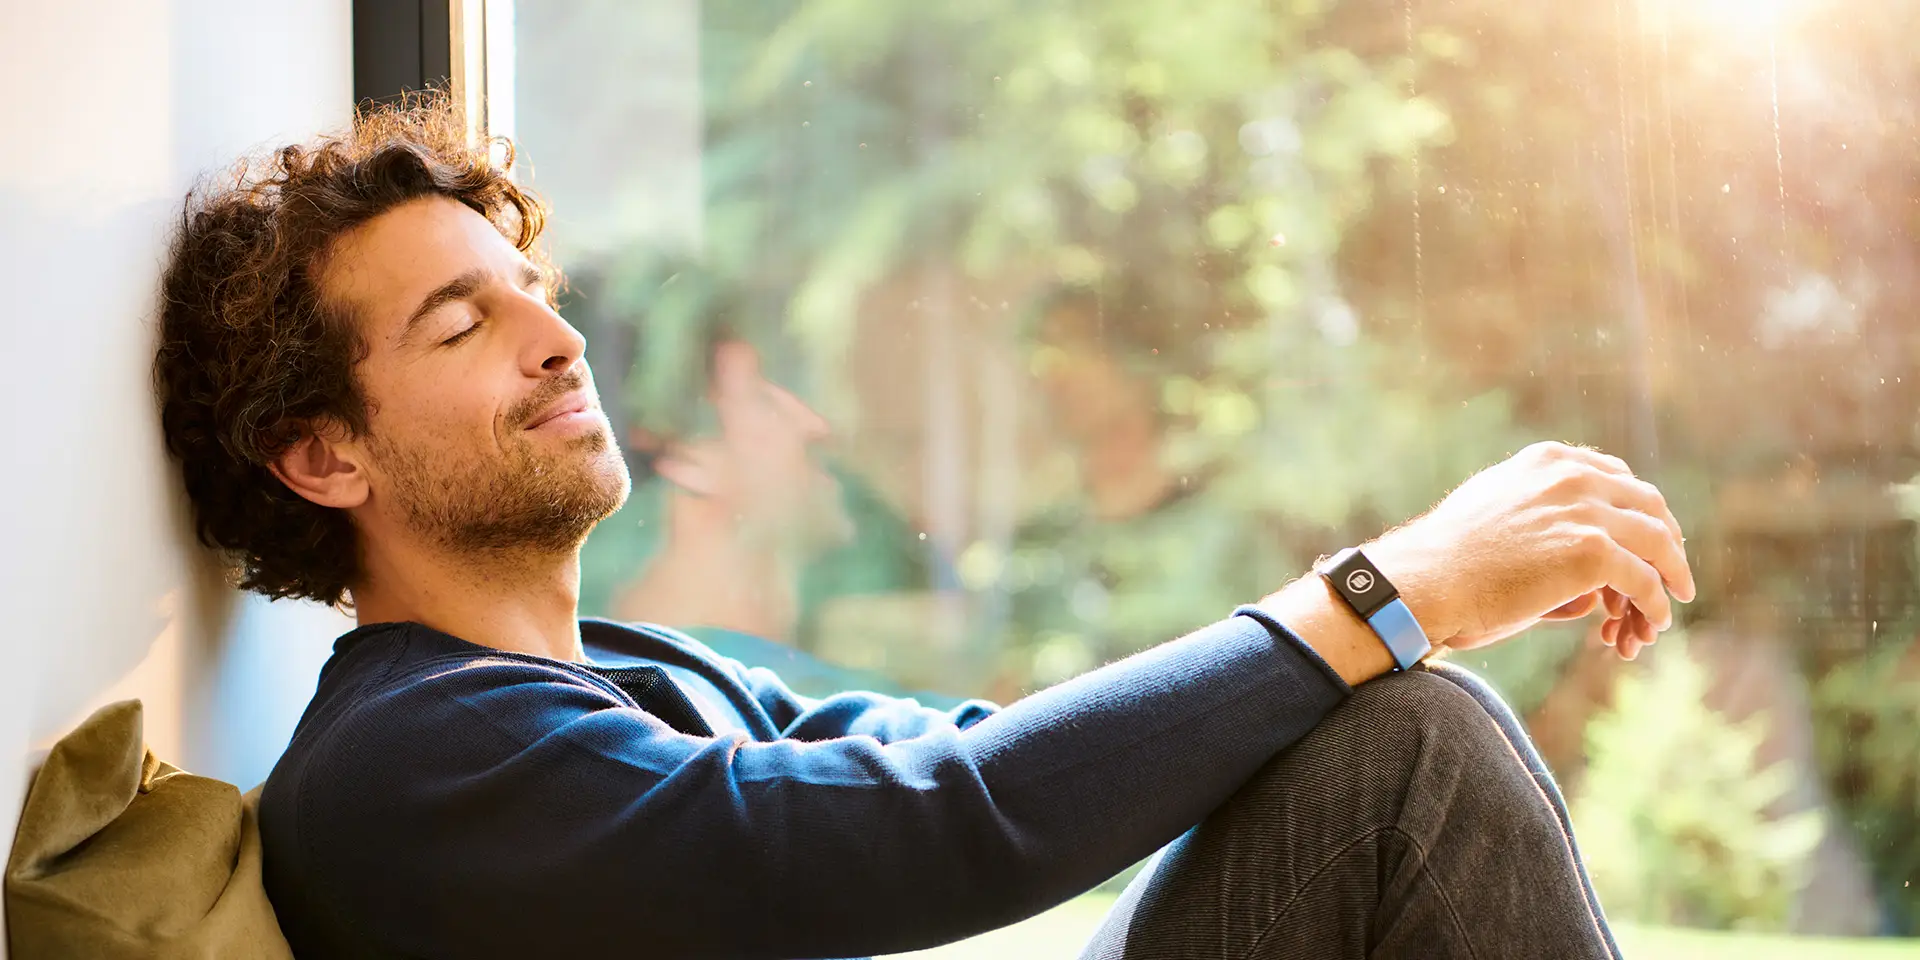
column 960, row 348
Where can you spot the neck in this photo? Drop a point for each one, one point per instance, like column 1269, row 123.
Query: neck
column 709, row 573
column 1121, row 471
column 524, row 604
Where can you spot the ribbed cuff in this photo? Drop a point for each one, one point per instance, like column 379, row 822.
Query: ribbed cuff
column 1281, row 634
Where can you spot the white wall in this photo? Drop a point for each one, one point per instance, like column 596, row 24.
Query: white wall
column 108, row 111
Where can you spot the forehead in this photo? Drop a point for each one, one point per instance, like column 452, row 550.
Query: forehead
column 381, row 269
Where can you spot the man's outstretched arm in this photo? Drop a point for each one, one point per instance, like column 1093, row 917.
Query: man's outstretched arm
column 1505, row 551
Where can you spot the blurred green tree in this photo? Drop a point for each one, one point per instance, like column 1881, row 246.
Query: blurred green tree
column 1675, row 809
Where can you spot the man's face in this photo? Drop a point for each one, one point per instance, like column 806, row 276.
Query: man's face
column 765, row 456
column 484, row 429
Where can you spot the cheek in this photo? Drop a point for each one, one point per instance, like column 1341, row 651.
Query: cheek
column 442, row 415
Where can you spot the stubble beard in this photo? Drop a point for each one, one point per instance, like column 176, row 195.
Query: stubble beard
column 529, row 503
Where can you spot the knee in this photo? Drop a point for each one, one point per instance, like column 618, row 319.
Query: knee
column 1408, row 711
column 1396, row 747
column 1409, row 733
column 1410, row 728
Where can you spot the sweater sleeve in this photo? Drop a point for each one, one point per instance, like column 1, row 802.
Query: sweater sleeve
column 506, row 810
column 855, row 712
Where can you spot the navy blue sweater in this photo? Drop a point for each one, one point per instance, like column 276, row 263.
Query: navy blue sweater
column 443, row 799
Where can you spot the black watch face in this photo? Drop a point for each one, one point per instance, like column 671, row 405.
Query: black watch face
column 1360, row 583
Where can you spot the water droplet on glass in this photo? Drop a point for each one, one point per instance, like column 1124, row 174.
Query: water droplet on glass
column 808, row 83
column 806, row 123
column 1726, row 188
column 923, row 536
column 1279, row 240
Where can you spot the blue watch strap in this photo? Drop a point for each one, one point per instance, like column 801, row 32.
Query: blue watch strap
column 1374, row 599
column 1397, row 628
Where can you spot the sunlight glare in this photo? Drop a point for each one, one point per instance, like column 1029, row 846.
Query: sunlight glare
column 1744, row 20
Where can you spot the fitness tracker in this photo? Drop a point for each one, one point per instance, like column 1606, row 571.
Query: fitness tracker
column 1360, row 584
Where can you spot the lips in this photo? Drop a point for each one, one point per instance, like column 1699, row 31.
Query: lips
column 575, row 402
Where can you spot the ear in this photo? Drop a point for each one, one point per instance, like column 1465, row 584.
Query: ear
column 320, row 467
column 690, row 467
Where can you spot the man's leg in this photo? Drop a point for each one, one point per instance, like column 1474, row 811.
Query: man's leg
column 1415, row 821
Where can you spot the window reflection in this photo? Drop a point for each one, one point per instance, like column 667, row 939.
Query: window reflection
column 995, row 342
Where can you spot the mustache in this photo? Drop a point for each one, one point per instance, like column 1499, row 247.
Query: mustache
column 522, row 413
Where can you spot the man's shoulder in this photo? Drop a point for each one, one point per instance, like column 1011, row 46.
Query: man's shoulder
column 394, row 747
column 378, row 720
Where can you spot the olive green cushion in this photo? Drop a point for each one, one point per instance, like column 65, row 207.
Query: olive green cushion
column 119, row 855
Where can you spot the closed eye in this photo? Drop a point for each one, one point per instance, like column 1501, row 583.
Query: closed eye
column 462, row 335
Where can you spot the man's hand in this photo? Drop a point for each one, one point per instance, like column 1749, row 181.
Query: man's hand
column 1553, row 533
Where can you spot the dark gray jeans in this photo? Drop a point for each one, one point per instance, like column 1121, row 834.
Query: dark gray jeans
column 1416, row 821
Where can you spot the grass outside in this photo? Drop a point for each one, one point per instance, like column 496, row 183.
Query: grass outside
column 1059, row 934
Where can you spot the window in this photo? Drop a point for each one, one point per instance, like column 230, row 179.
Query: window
column 995, row 341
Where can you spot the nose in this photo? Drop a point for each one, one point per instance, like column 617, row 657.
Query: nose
column 553, row 346
column 810, row 423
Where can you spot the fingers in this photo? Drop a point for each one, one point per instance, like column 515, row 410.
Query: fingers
column 1628, row 574
column 1646, row 528
column 1650, row 540
column 1617, row 605
column 1590, row 481
column 1635, row 633
column 1628, row 633
column 1623, row 488
column 1634, row 493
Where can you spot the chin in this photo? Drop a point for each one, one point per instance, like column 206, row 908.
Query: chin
column 595, row 468
column 608, row 470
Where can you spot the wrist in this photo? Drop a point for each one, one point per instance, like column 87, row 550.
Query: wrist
column 1324, row 622
column 1421, row 584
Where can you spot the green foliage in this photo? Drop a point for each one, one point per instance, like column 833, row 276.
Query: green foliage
column 1868, row 716
column 1087, row 141
column 1675, row 812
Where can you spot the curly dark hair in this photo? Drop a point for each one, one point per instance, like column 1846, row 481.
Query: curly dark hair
column 251, row 358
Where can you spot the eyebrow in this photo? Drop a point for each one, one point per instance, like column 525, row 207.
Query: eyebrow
column 462, row 287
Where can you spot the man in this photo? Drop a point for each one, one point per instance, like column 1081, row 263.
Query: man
column 373, row 401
